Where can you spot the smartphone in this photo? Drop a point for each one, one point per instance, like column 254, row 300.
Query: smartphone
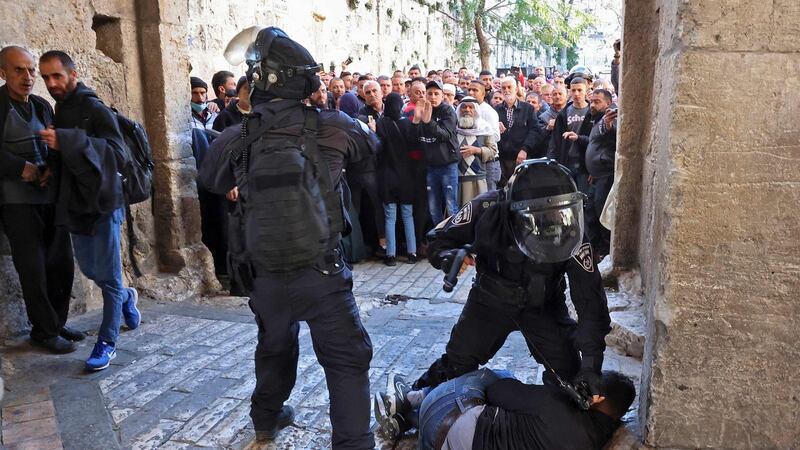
column 348, row 61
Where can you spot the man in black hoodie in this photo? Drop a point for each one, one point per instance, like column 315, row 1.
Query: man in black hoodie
column 434, row 127
column 491, row 410
column 41, row 251
column 600, row 151
column 91, row 200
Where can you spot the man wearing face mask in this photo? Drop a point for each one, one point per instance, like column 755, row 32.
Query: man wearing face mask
column 232, row 115
column 526, row 238
column 202, row 115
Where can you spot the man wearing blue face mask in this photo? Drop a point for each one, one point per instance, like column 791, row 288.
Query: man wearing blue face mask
column 203, row 112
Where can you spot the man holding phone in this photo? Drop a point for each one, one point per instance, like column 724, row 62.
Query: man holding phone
column 600, row 153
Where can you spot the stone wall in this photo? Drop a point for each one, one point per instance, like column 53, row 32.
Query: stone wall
column 115, row 55
column 717, row 224
column 380, row 35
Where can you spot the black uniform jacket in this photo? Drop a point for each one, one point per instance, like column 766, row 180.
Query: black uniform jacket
column 93, row 153
column 483, row 223
column 340, row 140
column 531, row 417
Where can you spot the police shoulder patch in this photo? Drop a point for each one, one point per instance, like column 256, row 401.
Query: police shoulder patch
column 463, row 216
column 584, row 257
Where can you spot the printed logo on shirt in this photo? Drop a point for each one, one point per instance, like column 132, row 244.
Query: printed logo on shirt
column 574, row 119
column 464, row 216
column 584, row 257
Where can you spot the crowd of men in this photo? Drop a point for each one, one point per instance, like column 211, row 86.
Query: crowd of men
column 450, row 136
column 500, row 164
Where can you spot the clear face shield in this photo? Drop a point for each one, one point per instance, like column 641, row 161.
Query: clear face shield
column 550, row 229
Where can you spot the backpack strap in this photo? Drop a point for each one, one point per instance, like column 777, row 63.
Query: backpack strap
column 310, row 147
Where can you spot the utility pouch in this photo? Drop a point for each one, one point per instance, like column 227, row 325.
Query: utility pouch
column 242, row 271
column 238, row 259
column 535, row 290
column 502, row 292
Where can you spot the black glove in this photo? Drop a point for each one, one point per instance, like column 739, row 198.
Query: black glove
column 589, row 382
column 446, row 259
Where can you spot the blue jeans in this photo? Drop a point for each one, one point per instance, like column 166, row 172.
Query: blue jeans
column 442, row 191
column 98, row 257
column 390, row 214
column 448, row 396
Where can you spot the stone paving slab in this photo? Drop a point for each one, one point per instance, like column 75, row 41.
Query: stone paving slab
column 184, row 377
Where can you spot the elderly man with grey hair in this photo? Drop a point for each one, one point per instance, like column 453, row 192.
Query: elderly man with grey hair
column 29, row 181
column 521, row 137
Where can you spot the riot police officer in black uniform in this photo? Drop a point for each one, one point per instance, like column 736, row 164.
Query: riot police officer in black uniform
column 282, row 73
column 526, row 238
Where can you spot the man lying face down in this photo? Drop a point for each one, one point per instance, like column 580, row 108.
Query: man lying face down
column 490, row 410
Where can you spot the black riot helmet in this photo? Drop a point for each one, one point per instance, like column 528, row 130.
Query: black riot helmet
column 546, row 210
column 276, row 64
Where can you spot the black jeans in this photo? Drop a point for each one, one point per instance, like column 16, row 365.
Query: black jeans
column 598, row 235
column 214, row 227
column 42, row 255
column 341, row 343
column 484, row 325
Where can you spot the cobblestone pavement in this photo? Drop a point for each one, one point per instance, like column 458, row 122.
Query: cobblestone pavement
column 182, row 380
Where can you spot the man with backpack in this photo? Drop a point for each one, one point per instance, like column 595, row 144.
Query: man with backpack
column 91, row 199
column 287, row 161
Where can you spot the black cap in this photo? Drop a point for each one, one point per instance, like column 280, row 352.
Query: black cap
column 198, row 83
column 435, row 84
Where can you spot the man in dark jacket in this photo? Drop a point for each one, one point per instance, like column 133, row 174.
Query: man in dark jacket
column 600, row 153
column 491, row 410
column 91, row 199
column 434, row 127
column 232, row 115
column 520, row 135
column 319, row 294
column 566, row 131
column 29, row 176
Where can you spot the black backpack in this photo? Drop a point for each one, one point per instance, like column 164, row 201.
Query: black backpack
column 292, row 213
column 137, row 175
column 136, row 165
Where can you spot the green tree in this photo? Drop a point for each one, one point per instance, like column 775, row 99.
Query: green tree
column 523, row 24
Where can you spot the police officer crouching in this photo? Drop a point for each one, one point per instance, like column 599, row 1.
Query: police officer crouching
column 526, row 238
column 286, row 160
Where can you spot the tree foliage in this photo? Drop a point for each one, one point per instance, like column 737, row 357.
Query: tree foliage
column 522, row 24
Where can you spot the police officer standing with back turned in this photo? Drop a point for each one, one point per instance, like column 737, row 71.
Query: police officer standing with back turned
column 526, row 238
column 284, row 158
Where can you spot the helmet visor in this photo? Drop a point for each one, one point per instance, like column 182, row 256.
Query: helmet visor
column 241, row 48
column 551, row 234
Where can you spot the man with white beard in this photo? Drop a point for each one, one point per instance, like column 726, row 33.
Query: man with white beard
column 477, row 146
column 477, row 91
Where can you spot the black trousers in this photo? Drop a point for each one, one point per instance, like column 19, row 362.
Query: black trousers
column 507, row 167
column 599, row 236
column 343, row 348
column 42, row 255
column 422, row 216
column 483, row 327
column 367, row 205
column 214, row 227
